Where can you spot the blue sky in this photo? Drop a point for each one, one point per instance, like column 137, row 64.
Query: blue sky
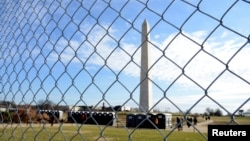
column 84, row 53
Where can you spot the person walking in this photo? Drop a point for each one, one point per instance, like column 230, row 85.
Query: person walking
column 189, row 121
column 178, row 123
column 195, row 122
column 52, row 118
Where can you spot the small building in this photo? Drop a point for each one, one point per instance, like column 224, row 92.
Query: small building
column 74, row 108
column 126, row 108
column 3, row 109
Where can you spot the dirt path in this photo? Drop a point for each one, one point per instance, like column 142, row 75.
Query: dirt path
column 202, row 127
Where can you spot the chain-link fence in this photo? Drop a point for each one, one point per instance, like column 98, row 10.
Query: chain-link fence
column 85, row 56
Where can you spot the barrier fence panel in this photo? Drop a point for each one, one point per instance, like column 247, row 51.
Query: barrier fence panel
column 76, row 65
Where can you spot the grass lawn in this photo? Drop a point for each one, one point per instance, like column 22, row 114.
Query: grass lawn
column 74, row 132
column 225, row 120
column 92, row 132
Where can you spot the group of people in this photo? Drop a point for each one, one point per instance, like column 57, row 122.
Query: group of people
column 207, row 118
column 190, row 121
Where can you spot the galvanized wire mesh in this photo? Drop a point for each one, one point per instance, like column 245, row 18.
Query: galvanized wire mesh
column 87, row 53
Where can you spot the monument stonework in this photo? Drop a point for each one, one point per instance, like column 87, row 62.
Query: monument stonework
column 146, row 84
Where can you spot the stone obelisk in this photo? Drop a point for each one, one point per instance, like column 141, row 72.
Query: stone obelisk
column 146, row 85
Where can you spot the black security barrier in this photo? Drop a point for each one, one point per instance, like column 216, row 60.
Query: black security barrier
column 164, row 120
column 161, row 121
column 150, row 121
column 131, row 120
column 89, row 118
column 73, row 117
column 111, row 120
column 85, row 117
column 56, row 114
column 77, row 117
column 107, row 119
column 82, row 117
column 100, row 118
column 140, row 120
column 70, row 116
column 94, row 118
column 104, row 118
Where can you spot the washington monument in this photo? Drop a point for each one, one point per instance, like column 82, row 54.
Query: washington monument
column 146, row 85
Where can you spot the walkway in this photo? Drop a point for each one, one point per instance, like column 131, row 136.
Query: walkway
column 202, row 127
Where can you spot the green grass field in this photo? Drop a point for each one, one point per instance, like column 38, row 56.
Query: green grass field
column 92, row 132
column 74, row 132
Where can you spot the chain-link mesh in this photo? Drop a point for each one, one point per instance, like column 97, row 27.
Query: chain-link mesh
column 65, row 54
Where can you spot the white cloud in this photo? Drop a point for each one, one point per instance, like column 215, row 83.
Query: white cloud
column 201, row 67
column 172, row 57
